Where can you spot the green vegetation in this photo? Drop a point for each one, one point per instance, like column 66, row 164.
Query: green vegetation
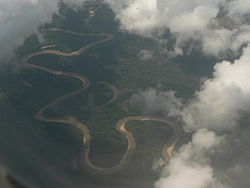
column 151, row 136
column 196, row 63
column 116, row 62
column 99, row 98
column 67, row 42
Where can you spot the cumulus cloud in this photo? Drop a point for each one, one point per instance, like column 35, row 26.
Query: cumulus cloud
column 209, row 161
column 191, row 167
column 221, row 105
column 221, row 100
column 145, row 55
column 218, row 27
column 152, row 101
column 218, row 105
column 20, row 18
column 138, row 16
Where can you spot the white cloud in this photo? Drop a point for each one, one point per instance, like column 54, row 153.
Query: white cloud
column 140, row 16
column 221, row 99
column 187, row 20
column 198, row 20
column 145, row 55
column 190, row 166
column 20, row 18
column 238, row 7
column 219, row 103
column 152, row 101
